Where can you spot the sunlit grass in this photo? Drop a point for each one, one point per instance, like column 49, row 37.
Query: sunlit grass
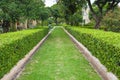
column 58, row 59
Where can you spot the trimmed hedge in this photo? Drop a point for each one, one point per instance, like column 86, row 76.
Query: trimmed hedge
column 104, row 45
column 15, row 45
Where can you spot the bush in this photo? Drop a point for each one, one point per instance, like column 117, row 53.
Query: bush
column 75, row 19
column 112, row 21
column 104, row 45
column 15, row 45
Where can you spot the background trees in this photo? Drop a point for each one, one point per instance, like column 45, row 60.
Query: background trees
column 10, row 13
column 13, row 12
column 55, row 13
column 102, row 8
column 44, row 14
column 98, row 9
column 111, row 20
column 72, row 9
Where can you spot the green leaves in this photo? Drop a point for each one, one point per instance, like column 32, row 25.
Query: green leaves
column 10, row 10
column 14, row 10
column 111, row 20
column 14, row 46
column 104, row 45
column 72, row 7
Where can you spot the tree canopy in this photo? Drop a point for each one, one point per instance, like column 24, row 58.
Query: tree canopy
column 103, row 6
column 12, row 11
column 71, row 7
column 98, row 9
column 55, row 12
column 15, row 11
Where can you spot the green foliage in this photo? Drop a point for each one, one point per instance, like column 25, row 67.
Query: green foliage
column 76, row 18
column 55, row 13
column 112, row 20
column 16, row 11
column 70, row 7
column 44, row 14
column 58, row 59
column 104, row 45
column 14, row 46
column 100, row 8
column 31, row 8
column 10, row 10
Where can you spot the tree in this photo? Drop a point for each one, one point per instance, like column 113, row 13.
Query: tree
column 111, row 20
column 10, row 13
column 31, row 9
column 44, row 14
column 103, row 7
column 76, row 18
column 55, row 12
column 71, row 7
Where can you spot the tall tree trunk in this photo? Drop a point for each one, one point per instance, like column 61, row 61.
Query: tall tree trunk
column 26, row 24
column 34, row 22
column 13, row 26
column 5, row 26
column 97, row 22
column 96, row 18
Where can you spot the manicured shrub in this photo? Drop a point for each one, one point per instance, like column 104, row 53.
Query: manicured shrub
column 15, row 45
column 104, row 45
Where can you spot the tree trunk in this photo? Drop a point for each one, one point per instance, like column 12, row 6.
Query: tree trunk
column 34, row 22
column 15, row 26
column 5, row 26
column 95, row 16
column 98, row 20
column 26, row 24
column 97, row 23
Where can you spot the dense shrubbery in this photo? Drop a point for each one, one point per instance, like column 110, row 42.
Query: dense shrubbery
column 104, row 45
column 15, row 45
column 75, row 19
column 112, row 21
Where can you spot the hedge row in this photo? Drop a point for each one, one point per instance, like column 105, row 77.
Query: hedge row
column 15, row 45
column 104, row 45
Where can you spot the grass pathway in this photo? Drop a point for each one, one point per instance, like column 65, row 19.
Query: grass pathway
column 58, row 59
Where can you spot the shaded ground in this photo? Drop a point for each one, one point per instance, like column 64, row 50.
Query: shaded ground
column 58, row 59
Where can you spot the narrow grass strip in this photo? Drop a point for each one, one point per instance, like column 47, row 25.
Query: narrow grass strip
column 58, row 59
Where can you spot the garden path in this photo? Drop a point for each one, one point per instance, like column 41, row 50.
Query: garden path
column 58, row 59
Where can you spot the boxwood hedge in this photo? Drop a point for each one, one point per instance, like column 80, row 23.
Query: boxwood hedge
column 15, row 45
column 104, row 45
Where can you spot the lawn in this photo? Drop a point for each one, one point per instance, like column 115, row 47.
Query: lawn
column 58, row 59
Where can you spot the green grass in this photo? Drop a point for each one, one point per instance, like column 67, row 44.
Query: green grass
column 103, row 45
column 58, row 59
